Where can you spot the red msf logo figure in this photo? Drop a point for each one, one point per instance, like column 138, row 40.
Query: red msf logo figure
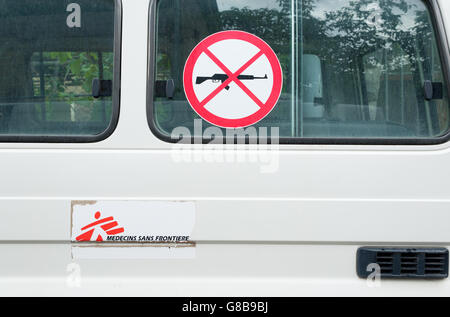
column 100, row 227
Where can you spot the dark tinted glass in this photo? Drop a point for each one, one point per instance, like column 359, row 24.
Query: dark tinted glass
column 51, row 53
column 351, row 69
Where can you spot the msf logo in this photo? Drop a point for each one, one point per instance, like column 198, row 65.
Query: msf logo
column 99, row 229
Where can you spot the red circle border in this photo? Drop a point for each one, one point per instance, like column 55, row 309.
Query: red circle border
column 233, row 123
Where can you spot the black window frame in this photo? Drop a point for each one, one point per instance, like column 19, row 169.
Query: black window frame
column 443, row 50
column 117, row 51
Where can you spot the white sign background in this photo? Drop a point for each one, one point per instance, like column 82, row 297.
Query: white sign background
column 233, row 103
column 138, row 218
column 224, row 57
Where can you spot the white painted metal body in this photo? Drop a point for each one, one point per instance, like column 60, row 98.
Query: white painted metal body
column 257, row 233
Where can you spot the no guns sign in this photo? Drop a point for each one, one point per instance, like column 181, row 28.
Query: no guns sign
column 233, row 79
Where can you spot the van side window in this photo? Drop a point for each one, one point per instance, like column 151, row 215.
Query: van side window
column 57, row 66
column 364, row 71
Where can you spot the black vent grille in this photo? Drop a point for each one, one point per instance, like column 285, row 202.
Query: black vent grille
column 386, row 262
column 425, row 263
column 436, row 263
column 409, row 263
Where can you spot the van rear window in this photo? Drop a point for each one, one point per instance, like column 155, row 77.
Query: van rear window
column 352, row 70
column 58, row 70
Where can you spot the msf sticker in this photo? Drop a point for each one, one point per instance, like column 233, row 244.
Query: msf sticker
column 132, row 221
column 99, row 229
column 233, row 79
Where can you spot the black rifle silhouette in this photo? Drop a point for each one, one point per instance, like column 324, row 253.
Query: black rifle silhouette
column 223, row 77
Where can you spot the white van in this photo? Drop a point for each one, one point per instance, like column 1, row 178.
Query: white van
column 224, row 147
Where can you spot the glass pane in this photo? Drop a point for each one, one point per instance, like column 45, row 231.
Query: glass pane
column 51, row 52
column 351, row 69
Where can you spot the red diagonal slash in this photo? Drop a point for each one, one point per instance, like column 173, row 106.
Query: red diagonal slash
column 232, row 77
